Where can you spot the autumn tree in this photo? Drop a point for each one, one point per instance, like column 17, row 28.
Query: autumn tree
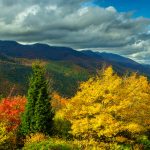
column 109, row 108
column 10, row 111
column 38, row 112
column 58, row 102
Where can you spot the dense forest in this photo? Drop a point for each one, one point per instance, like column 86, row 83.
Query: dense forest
column 14, row 74
column 106, row 110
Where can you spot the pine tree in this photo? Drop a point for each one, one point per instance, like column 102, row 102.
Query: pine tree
column 38, row 112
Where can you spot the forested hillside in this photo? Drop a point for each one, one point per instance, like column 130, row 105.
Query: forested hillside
column 14, row 75
column 102, row 114
column 87, row 59
column 66, row 67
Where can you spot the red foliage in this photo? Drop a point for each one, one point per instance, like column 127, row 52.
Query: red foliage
column 10, row 111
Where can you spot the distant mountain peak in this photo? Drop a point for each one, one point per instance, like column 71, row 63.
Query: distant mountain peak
column 87, row 59
column 8, row 42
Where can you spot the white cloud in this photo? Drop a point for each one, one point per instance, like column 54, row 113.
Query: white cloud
column 21, row 17
column 83, row 11
column 51, row 8
column 111, row 9
column 73, row 24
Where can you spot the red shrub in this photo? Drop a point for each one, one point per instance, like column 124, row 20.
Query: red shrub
column 10, row 111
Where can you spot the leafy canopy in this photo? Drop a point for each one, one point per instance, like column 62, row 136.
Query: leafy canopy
column 110, row 108
column 10, row 111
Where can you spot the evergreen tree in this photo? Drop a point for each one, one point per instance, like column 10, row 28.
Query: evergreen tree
column 38, row 112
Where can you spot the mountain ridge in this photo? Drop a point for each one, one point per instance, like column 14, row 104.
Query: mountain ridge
column 87, row 59
column 66, row 66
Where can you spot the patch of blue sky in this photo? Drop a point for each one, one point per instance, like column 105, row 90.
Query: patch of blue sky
column 141, row 8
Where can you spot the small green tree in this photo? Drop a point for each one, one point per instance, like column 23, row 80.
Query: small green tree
column 38, row 112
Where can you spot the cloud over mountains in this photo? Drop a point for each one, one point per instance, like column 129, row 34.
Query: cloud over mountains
column 71, row 23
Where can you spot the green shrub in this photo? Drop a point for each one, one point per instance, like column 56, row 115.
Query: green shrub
column 145, row 142
column 50, row 144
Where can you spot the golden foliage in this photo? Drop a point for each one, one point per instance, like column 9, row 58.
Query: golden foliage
column 3, row 133
column 5, row 136
column 109, row 106
column 34, row 138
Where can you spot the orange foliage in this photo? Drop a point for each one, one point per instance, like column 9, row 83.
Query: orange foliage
column 10, row 111
column 58, row 102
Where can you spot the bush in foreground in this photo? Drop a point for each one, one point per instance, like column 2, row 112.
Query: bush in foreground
column 39, row 141
column 10, row 111
column 110, row 109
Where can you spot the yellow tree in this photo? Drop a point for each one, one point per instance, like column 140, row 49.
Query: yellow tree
column 110, row 108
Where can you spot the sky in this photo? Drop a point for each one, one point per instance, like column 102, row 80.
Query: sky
column 116, row 26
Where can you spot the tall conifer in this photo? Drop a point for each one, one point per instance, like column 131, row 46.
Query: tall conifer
column 38, row 112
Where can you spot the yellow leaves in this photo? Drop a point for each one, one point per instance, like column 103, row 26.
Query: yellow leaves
column 134, row 128
column 4, row 134
column 108, row 72
column 108, row 105
column 80, row 126
column 34, row 138
column 121, row 139
column 106, row 125
column 59, row 115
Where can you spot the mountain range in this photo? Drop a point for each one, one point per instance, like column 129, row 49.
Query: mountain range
column 66, row 66
column 86, row 59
